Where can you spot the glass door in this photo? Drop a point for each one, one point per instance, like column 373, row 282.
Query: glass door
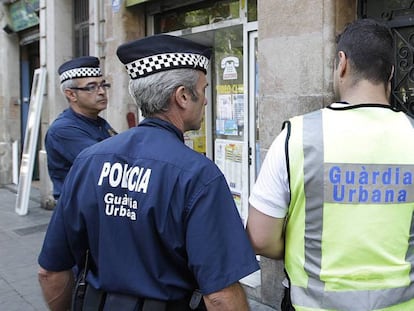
column 229, row 112
column 230, row 131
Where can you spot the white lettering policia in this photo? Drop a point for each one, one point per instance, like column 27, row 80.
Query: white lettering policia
column 133, row 178
column 353, row 183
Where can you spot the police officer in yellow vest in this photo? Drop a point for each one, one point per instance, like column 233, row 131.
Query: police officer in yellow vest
column 337, row 200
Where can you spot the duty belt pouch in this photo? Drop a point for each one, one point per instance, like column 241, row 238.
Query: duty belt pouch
column 94, row 299
column 154, row 305
column 115, row 302
column 78, row 295
column 196, row 301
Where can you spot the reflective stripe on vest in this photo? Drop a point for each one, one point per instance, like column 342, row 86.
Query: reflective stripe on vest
column 313, row 284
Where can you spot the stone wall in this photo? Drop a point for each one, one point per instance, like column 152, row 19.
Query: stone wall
column 125, row 25
column 9, row 98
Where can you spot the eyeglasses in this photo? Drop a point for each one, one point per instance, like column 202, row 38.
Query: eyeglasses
column 93, row 87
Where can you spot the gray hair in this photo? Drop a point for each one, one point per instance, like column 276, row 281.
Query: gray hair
column 67, row 85
column 152, row 93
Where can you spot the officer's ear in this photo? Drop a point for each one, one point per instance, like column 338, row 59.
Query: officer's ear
column 70, row 94
column 182, row 97
column 342, row 63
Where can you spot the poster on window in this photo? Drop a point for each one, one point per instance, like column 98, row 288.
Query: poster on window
column 230, row 110
column 228, row 157
column 229, row 95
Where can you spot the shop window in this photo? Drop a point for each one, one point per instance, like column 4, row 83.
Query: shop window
column 205, row 13
column 228, row 117
column 81, row 27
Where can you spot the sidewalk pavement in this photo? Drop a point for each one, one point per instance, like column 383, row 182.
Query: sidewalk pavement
column 21, row 238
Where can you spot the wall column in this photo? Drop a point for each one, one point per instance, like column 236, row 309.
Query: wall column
column 56, row 32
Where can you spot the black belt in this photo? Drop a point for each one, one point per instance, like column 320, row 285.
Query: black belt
column 97, row 300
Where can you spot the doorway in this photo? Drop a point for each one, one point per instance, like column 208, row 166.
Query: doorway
column 30, row 60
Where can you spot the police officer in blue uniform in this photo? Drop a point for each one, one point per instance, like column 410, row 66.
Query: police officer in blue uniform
column 80, row 125
column 157, row 218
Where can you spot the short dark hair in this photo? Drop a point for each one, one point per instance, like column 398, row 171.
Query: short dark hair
column 369, row 45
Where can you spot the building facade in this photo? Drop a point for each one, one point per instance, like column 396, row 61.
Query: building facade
column 271, row 60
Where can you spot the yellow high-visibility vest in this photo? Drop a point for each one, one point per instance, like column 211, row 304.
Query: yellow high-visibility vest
column 350, row 230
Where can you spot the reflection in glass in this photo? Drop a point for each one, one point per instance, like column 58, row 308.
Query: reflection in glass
column 205, row 13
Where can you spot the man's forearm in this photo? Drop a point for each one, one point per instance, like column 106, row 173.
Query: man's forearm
column 57, row 288
column 232, row 298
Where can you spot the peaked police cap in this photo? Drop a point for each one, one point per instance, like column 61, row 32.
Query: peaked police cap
column 158, row 53
column 81, row 67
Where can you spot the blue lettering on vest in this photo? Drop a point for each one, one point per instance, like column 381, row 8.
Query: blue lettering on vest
column 368, row 184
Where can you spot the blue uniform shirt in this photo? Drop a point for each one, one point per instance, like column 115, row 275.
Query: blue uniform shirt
column 68, row 135
column 158, row 218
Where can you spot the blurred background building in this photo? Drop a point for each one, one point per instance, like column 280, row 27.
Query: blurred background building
column 271, row 60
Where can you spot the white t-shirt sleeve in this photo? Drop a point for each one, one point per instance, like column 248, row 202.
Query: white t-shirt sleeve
column 271, row 193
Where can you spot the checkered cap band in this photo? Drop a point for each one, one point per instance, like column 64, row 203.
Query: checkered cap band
column 82, row 72
column 160, row 62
